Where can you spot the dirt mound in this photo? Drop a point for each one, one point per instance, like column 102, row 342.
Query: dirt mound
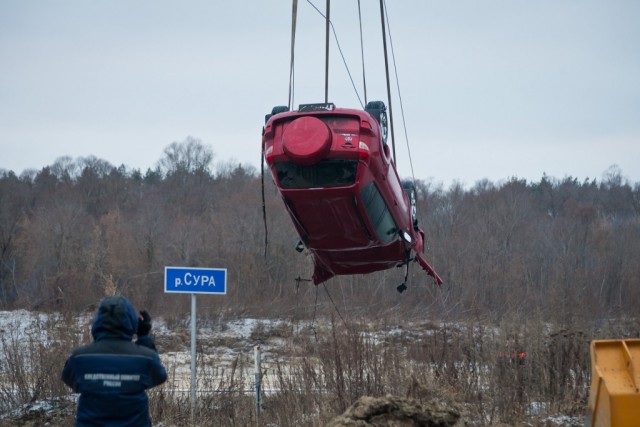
column 392, row 411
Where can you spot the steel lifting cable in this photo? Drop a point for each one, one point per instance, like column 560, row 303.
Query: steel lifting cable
column 344, row 61
column 294, row 14
column 395, row 71
column 313, row 321
column 326, row 53
column 335, row 306
column 294, row 18
column 364, row 79
column 386, row 69
column 264, row 207
column 315, row 309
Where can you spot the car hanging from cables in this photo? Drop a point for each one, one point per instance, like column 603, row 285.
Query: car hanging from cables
column 337, row 177
column 334, row 171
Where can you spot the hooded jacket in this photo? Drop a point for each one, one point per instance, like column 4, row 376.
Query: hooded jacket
column 113, row 373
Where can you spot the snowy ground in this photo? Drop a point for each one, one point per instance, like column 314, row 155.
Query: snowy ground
column 222, row 348
column 219, row 348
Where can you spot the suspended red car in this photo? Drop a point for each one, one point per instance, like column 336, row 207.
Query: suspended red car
column 340, row 186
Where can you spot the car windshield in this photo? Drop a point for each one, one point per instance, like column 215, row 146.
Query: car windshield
column 379, row 215
column 326, row 173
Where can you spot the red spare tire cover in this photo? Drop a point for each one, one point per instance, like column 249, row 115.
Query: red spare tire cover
column 306, row 140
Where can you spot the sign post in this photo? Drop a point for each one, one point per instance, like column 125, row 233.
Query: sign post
column 193, row 358
column 191, row 280
column 258, row 372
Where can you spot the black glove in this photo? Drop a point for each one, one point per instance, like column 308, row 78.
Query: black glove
column 144, row 323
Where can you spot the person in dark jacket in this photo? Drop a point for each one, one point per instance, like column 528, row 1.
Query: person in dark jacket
column 113, row 373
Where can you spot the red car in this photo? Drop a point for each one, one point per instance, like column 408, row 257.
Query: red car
column 340, row 186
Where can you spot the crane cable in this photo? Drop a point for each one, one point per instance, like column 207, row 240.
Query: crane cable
column 386, row 69
column 294, row 15
column 404, row 123
column 344, row 61
column 315, row 309
column 364, row 78
column 264, row 207
column 326, row 52
column 385, row 26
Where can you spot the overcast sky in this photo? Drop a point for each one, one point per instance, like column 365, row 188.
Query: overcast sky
column 490, row 89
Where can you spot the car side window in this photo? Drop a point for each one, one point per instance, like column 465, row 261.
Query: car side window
column 378, row 212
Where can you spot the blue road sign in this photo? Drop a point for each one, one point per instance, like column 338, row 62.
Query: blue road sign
column 192, row 280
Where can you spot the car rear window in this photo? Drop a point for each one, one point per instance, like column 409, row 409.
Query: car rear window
column 326, row 173
column 379, row 215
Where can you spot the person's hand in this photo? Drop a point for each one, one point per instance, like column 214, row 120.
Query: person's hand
column 144, row 323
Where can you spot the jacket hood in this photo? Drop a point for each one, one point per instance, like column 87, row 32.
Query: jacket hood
column 116, row 318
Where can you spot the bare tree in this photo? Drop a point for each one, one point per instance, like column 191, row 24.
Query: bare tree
column 190, row 156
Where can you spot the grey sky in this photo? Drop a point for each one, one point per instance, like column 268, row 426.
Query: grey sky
column 490, row 89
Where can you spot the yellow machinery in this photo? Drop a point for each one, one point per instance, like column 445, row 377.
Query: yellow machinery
column 614, row 399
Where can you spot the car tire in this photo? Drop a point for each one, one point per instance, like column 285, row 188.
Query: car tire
column 410, row 189
column 379, row 111
column 276, row 110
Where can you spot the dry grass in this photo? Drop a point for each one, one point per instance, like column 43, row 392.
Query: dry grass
column 320, row 371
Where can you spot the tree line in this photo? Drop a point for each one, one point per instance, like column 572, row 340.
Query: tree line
column 558, row 249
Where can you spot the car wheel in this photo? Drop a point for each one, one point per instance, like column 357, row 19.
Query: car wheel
column 379, row 111
column 410, row 189
column 276, row 110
